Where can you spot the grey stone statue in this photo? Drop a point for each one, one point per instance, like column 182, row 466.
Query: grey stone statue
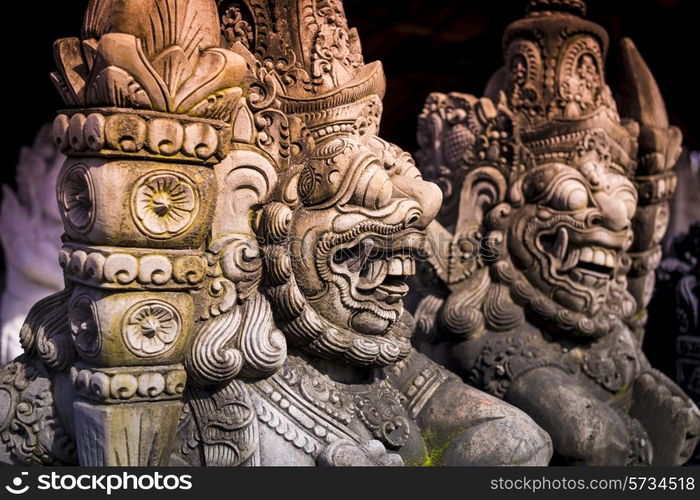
column 542, row 263
column 237, row 244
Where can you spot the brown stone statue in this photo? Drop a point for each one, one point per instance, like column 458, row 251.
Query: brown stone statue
column 237, row 244
column 542, row 264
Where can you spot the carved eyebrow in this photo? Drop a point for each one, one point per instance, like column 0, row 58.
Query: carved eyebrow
column 563, row 175
column 618, row 170
column 625, row 185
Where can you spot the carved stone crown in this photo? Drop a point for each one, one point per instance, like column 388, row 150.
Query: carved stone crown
column 555, row 80
column 154, row 79
column 577, row 7
column 314, row 58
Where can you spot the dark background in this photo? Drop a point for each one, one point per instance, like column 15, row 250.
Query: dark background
column 425, row 45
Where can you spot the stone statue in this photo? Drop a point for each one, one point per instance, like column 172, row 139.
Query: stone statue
column 675, row 308
column 30, row 231
column 237, row 243
column 542, row 263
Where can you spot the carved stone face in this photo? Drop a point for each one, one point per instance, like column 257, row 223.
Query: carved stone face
column 570, row 234
column 352, row 243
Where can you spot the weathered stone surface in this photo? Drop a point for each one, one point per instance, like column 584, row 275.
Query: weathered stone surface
column 542, row 262
column 238, row 240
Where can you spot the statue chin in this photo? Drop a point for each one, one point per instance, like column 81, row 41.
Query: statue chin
column 317, row 335
column 369, row 323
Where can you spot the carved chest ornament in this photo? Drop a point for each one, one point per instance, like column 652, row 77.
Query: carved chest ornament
column 337, row 409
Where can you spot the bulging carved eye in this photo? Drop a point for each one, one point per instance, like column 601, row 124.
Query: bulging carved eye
column 569, row 195
column 374, row 188
column 558, row 186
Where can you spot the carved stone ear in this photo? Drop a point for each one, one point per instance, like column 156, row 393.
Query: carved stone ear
column 244, row 181
column 460, row 133
column 468, row 147
column 236, row 333
column 482, row 189
column 457, row 259
column 429, row 157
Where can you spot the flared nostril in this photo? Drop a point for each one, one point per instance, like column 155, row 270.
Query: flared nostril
column 595, row 220
column 413, row 219
column 426, row 195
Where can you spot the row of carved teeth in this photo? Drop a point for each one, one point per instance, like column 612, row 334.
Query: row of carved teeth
column 588, row 279
column 333, row 129
column 391, row 294
column 371, row 261
column 572, row 256
column 598, row 255
column 401, row 265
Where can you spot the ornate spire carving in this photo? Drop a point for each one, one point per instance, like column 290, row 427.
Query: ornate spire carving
column 150, row 96
column 161, row 56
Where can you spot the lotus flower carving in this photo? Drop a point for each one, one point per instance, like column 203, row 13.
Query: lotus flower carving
column 168, row 67
column 150, row 328
column 165, row 205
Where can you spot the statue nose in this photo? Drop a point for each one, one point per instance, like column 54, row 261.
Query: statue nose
column 613, row 212
column 426, row 194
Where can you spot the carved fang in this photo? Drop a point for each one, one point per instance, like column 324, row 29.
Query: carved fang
column 561, row 244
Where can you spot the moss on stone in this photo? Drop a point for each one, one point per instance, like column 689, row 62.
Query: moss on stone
column 434, row 454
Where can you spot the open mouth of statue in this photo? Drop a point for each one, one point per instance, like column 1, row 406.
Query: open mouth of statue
column 587, row 258
column 380, row 268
